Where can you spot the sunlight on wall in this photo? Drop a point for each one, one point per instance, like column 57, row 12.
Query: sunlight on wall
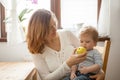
column 78, row 11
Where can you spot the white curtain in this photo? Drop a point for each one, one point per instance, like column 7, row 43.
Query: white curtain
column 15, row 33
column 104, row 18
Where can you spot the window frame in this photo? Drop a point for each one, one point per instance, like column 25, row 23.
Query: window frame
column 2, row 24
column 99, row 6
column 55, row 7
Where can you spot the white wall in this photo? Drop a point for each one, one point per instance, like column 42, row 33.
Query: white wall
column 18, row 52
column 113, row 70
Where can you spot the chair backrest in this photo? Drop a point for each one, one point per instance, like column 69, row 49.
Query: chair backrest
column 104, row 50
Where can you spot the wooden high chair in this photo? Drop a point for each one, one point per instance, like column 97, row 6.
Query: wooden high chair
column 104, row 50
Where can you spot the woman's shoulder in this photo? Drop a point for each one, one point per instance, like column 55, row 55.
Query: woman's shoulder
column 64, row 31
column 41, row 55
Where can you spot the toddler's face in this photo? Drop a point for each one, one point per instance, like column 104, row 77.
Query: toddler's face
column 87, row 42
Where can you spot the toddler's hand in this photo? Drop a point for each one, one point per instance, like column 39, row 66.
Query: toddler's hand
column 84, row 70
column 72, row 76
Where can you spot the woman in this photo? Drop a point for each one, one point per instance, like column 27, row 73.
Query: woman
column 52, row 50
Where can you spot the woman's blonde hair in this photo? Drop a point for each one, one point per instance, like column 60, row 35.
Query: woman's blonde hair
column 38, row 29
column 90, row 31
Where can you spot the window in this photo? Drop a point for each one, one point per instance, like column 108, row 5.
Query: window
column 78, row 12
column 59, row 8
column 30, row 4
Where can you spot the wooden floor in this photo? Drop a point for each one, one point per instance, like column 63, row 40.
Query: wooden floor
column 16, row 70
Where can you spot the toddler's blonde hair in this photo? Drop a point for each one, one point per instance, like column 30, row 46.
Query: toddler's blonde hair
column 90, row 30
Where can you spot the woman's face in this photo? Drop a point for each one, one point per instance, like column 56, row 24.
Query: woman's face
column 52, row 28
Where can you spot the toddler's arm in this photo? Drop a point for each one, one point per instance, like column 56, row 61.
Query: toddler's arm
column 73, row 70
column 89, row 69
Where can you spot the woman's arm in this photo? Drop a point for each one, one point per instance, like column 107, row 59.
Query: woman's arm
column 44, row 71
column 58, row 73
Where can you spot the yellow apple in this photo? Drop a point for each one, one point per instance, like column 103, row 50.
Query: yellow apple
column 81, row 50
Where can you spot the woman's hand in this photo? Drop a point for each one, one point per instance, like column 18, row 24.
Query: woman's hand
column 75, row 59
column 99, row 76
